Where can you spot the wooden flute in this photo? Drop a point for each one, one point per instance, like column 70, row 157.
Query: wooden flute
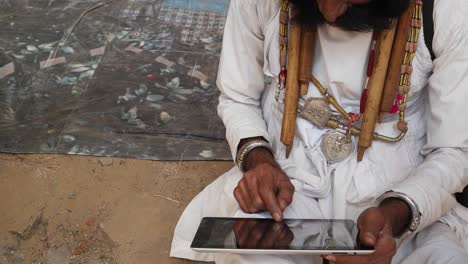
column 291, row 101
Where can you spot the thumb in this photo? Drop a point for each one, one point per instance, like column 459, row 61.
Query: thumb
column 386, row 245
column 371, row 222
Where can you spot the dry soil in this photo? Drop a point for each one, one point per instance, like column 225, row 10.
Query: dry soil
column 57, row 209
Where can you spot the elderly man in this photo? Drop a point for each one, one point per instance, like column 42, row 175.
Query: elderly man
column 401, row 194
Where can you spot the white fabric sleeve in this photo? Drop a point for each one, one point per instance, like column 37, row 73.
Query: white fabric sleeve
column 443, row 171
column 240, row 75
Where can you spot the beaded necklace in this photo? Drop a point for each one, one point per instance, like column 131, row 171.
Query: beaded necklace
column 400, row 102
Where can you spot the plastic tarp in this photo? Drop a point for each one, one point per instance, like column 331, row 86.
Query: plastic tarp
column 122, row 78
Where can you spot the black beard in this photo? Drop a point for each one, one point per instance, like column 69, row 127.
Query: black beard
column 375, row 15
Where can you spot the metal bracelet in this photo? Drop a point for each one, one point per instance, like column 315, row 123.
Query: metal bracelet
column 415, row 213
column 247, row 148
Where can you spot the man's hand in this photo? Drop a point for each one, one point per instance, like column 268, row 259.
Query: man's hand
column 264, row 187
column 253, row 234
column 377, row 228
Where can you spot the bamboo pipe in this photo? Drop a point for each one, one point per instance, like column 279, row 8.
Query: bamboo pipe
column 307, row 57
column 396, row 60
column 291, row 103
column 376, row 86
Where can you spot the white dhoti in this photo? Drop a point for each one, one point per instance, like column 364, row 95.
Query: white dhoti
column 435, row 245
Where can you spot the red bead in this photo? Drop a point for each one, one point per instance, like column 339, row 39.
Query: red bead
column 398, row 100
column 363, row 101
column 354, row 117
column 283, row 73
column 151, row 77
column 394, row 109
column 282, row 76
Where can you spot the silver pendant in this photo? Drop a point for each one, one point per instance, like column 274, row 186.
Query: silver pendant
column 336, row 147
column 317, row 111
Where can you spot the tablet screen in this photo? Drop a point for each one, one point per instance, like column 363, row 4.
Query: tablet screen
column 248, row 233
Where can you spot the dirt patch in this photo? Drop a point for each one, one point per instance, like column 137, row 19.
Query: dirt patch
column 68, row 209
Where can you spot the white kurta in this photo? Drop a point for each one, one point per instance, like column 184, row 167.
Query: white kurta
column 428, row 164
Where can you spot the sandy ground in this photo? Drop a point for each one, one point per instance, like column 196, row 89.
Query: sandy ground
column 66, row 209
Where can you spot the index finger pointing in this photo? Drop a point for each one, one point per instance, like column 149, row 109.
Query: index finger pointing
column 271, row 204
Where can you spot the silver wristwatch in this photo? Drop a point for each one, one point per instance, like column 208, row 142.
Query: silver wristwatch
column 247, row 148
column 415, row 213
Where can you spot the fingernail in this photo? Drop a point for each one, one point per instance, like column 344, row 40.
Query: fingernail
column 277, row 217
column 331, row 258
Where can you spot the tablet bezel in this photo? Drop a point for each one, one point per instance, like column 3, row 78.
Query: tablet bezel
column 280, row 251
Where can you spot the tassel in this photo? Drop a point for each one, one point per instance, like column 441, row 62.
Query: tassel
column 282, row 77
column 402, row 126
column 395, row 107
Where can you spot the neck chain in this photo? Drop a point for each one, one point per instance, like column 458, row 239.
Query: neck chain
column 400, row 102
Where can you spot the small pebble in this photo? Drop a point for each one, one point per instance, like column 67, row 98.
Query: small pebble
column 76, row 251
column 68, row 50
column 32, row 48
column 68, row 138
column 206, row 154
column 154, row 98
column 84, row 246
column 165, row 117
column 156, row 106
column 205, row 85
column 72, row 196
column 174, row 83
